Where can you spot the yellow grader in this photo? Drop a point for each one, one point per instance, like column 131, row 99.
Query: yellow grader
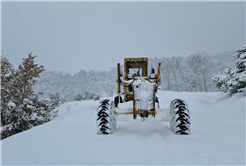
column 140, row 86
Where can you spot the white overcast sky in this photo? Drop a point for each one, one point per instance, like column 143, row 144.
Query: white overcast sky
column 70, row 36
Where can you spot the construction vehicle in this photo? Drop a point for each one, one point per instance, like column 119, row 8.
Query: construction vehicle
column 140, row 85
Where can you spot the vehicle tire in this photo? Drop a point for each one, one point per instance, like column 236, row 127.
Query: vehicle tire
column 106, row 123
column 180, row 123
column 116, row 101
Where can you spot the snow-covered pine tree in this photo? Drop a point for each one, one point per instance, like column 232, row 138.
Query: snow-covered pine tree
column 24, row 78
column 23, row 110
column 222, row 78
column 16, row 121
column 38, row 111
column 55, row 100
column 6, row 81
column 238, row 81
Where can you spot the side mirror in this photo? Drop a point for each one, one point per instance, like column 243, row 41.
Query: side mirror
column 152, row 71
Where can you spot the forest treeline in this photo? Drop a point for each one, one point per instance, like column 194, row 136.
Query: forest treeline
column 192, row 73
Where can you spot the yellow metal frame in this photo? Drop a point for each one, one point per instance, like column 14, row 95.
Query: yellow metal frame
column 144, row 66
column 136, row 60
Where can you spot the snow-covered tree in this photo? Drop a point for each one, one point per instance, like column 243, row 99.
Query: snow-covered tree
column 6, row 82
column 238, row 81
column 16, row 121
column 222, row 78
column 20, row 108
column 55, row 100
column 174, row 71
column 199, row 63
column 166, row 73
column 184, row 80
column 24, row 79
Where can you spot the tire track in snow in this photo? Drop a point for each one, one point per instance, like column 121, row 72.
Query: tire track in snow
column 225, row 110
column 214, row 135
column 165, row 136
column 150, row 138
column 224, row 120
column 159, row 140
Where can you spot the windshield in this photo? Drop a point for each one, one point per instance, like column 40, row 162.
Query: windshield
column 136, row 68
column 136, row 71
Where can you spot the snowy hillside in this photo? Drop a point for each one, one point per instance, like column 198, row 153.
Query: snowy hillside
column 217, row 136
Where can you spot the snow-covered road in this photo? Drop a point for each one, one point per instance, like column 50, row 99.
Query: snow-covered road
column 217, row 137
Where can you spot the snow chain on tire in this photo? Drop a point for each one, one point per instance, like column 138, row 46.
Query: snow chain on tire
column 106, row 123
column 180, row 123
